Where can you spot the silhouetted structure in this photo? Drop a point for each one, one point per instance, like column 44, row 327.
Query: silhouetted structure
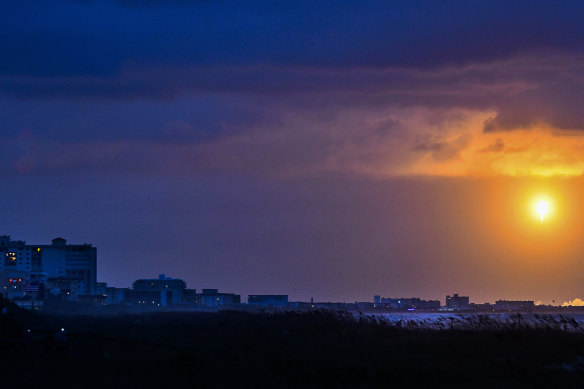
column 514, row 306
column 212, row 297
column 115, row 295
column 268, row 300
column 26, row 271
column 406, row 303
column 457, row 302
column 163, row 291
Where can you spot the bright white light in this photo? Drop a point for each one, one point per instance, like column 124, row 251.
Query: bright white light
column 542, row 207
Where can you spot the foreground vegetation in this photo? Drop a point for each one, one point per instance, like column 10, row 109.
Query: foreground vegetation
column 304, row 350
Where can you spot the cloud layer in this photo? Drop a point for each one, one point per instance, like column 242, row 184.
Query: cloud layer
column 374, row 88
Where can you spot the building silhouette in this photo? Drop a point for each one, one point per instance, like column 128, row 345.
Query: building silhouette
column 413, row 303
column 457, row 302
column 212, row 297
column 163, row 291
column 27, row 271
column 268, row 300
column 514, row 306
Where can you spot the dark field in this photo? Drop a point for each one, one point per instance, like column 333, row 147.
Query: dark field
column 299, row 350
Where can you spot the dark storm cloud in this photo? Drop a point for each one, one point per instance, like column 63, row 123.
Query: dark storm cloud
column 556, row 101
column 148, row 81
column 443, row 150
column 98, row 37
column 196, row 119
column 422, row 53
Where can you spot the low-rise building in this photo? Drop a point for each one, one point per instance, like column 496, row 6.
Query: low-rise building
column 162, row 291
column 268, row 300
column 514, row 306
column 406, row 303
column 212, row 297
column 115, row 295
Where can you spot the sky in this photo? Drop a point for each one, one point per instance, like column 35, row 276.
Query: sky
column 335, row 150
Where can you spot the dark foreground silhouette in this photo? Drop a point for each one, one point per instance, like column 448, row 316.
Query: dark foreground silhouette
column 284, row 350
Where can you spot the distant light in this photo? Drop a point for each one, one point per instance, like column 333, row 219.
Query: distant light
column 542, row 208
column 27, row 330
column 410, row 309
column 62, row 330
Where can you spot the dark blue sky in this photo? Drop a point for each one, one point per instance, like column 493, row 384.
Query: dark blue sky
column 275, row 147
column 83, row 38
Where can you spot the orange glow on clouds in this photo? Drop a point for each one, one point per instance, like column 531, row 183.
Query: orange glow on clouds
column 533, row 152
column 402, row 142
column 537, row 152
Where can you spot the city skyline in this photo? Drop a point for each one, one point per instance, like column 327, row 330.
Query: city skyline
column 68, row 271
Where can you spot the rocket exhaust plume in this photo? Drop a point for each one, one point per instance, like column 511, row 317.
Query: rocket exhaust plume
column 542, row 208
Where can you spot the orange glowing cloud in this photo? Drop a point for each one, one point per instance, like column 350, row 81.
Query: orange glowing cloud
column 375, row 143
column 403, row 142
column 573, row 303
column 538, row 151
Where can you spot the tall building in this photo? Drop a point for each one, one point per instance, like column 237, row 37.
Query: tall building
column 58, row 268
